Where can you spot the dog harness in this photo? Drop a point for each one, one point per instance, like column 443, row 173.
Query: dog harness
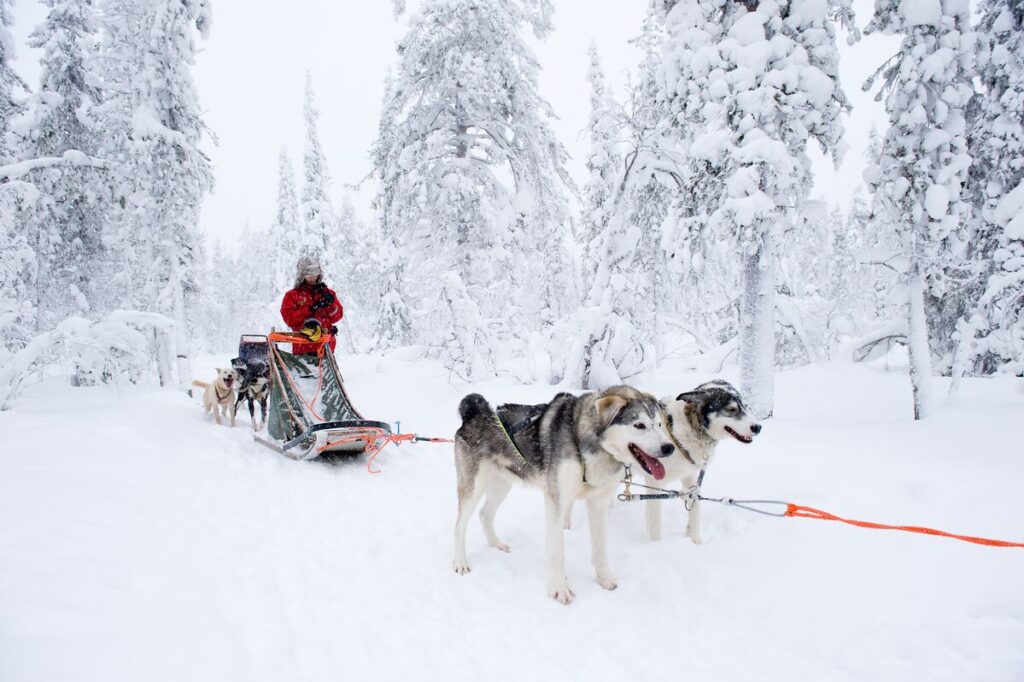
column 533, row 413
column 219, row 396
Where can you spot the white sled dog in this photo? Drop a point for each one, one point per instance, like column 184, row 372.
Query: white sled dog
column 219, row 397
column 699, row 419
column 573, row 447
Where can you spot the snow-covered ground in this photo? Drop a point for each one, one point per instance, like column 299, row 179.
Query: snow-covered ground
column 138, row 541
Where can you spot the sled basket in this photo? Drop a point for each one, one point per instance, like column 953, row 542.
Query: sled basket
column 310, row 413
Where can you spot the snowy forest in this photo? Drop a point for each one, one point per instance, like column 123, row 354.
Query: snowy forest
column 693, row 235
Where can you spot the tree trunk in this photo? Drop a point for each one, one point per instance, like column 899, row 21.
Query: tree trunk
column 181, row 333
column 757, row 329
column 917, row 343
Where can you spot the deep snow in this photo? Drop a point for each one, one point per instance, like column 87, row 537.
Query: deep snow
column 138, row 541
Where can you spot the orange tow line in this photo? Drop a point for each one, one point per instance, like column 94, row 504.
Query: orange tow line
column 802, row 512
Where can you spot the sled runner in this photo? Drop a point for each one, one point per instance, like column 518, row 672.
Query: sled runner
column 310, row 413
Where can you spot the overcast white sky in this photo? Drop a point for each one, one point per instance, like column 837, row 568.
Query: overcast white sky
column 250, row 75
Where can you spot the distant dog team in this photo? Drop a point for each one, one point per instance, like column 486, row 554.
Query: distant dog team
column 576, row 447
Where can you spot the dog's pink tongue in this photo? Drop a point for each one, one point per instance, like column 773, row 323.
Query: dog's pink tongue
column 655, row 465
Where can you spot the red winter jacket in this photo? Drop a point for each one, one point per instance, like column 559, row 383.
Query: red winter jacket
column 296, row 308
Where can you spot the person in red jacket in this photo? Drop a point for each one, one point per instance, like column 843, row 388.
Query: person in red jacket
column 311, row 299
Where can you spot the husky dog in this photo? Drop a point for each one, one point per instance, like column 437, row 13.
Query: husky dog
column 253, row 387
column 219, row 396
column 573, row 447
column 699, row 419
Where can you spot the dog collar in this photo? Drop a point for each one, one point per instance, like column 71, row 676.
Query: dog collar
column 219, row 396
column 683, row 450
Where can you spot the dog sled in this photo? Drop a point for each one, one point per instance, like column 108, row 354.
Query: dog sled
column 310, row 414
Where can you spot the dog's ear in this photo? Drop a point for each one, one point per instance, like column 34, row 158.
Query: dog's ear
column 692, row 396
column 608, row 408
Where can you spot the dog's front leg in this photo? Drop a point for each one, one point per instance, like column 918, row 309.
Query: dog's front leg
column 693, row 517
column 234, row 411
column 263, row 412
column 597, row 515
column 215, row 406
column 558, row 584
column 252, row 415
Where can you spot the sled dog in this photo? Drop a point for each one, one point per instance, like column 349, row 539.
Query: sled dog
column 573, row 447
column 219, row 397
column 699, row 419
column 253, row 387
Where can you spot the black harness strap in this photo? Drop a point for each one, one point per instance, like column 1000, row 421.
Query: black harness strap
column 535, row 412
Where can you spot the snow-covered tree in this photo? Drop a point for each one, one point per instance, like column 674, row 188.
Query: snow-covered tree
column 802, row 286
column 317, row 212
column 921, row 176
column 168, row 173
column 9, row 80
column 604, row 164
column 285, row 231
column 750, row 84
column 65, row 222
column 992, row 339
column 472, row 178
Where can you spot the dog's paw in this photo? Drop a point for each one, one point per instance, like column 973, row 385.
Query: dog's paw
column 461, row 568
column 606, row 582
column 503, row 547
column 562, row 593
column 695, row 538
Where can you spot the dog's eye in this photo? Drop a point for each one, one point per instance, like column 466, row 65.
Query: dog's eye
column 640, row 426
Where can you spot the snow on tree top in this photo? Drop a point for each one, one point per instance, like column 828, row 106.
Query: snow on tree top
column 921, row 12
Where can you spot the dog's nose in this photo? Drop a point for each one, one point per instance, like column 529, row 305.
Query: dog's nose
column 667, row 449
column 756, row 428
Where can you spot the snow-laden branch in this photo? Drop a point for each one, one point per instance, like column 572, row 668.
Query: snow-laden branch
column 72, row 157
column 121, row 344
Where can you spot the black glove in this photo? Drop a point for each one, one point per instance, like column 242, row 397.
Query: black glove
column 325, row 299
column 334, row 330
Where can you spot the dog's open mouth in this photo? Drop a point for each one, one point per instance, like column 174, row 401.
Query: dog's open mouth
column 742, row 439
column 649, row 464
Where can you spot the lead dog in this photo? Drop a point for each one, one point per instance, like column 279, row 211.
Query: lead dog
column 699, row 420
column 219, row 396
column 573, row 447
column 253, row 387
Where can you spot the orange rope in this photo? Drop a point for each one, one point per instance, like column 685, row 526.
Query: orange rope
column 800, row 511
column 374, row 439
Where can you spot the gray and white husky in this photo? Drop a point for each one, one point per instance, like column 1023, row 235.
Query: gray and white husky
column 699, row 419
column 573, row 447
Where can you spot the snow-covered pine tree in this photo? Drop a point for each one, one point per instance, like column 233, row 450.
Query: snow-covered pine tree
column 472, row 179
column 392, row 326
column 604, row 165
column 285, row 231
column 18, row 262
column 259, row 308
column 801, row 286
column 315, row 204
column 927, row 88
column 753, row 82
column 655, row 163
column 628, row 301
column 66, row 220
column 357, row 248
column 167, row 163
column 992, row 339
column 10, row 105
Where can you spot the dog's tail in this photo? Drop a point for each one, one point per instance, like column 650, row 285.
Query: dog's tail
column 200, row 384
column 472, row 406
